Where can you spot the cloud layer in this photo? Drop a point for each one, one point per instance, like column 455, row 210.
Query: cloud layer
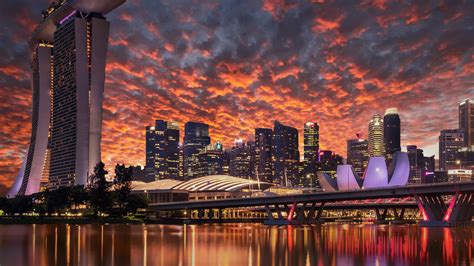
column 237, row 65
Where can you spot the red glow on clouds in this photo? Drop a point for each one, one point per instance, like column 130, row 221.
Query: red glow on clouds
column 243, row 66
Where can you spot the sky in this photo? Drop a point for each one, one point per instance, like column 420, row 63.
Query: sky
column 241, row 64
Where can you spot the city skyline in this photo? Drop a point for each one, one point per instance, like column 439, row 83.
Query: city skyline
column 245, row 92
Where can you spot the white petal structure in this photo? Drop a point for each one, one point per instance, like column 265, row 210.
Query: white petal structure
column 327, row 183
column 376, row 173
column 346, row 178
column 399, row 170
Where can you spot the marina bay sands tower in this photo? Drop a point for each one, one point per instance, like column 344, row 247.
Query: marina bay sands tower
column 67, row 56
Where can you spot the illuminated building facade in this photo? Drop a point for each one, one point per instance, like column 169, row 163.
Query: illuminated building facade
column 285, row 154
column 376, row 139
column 358, row 154
column 450, row 141
column 311, row 151
column 241, row 159
column 263, row 153
column 211, row 160
column 162, row 149
column 466, row 121
column 196, row 138
column 68, row 51
column 391, row 132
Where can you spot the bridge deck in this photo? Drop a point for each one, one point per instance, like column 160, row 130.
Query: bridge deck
column 380, row 193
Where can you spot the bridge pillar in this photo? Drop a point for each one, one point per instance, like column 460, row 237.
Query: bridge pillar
column 296, row 214
column 381, row 216
column 435, row 212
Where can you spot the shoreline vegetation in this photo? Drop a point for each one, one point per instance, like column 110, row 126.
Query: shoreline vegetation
column 100, row 201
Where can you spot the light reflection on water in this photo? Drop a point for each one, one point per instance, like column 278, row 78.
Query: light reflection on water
column 236, row 244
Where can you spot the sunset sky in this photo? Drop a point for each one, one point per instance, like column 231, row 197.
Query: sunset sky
column 237, row 65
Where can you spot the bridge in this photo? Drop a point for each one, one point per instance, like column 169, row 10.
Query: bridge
column 443, row 204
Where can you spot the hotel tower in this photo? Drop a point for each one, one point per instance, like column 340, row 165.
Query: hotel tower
column 67, row 55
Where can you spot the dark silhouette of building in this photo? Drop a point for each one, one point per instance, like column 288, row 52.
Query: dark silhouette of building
column 328, row 161
column 139, row 174
column 162, row 150
column 358, row 154
column 450, row 141
column 466, row 121
column 391, row 132
column 263, row 153
column 285, row 154
column 420, row 166
column 196, row 138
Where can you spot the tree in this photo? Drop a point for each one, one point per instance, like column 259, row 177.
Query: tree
column 19, row 204
column 123, row 184
column 78, row 196
column 4, row 204
column 135, row 202
column 57, row 200
column 98, row 187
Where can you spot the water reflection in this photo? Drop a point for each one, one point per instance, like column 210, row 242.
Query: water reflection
column 238, row 244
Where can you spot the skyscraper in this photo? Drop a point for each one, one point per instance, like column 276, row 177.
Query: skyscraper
column 240, row 159
column 466, row 121
column 162, row 143
column 211, row 160
column 68, row 52
column 418, row 164
column 286, row 155
column 358, row 154
column 150, row 153
column 450, row 141
column 263, row 153
column 196, row 138
column 311, row 148
column 376, row 139
column 391, row 132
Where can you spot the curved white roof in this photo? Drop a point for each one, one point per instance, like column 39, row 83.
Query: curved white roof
column 155, row 185
column 220, row 183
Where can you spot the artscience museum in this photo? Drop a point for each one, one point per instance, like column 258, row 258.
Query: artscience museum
column 376, row 175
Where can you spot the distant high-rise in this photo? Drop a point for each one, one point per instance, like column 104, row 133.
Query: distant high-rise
column 417, row 164
column 263, row 153
column 162, row 151
column 286, row 155
column 358, row 154
column 162, row 145
column 311, row 142
column 466, row 121
column 211, row 160
column 240, row 160
column 150, row 152
column 450, row 142
column 68, row 54
column 329, row 160
column 391, row 132
column 376, row 139
column 311, row 152
column 196, row 138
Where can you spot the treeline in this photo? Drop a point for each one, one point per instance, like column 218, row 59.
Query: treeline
column 99, row 197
